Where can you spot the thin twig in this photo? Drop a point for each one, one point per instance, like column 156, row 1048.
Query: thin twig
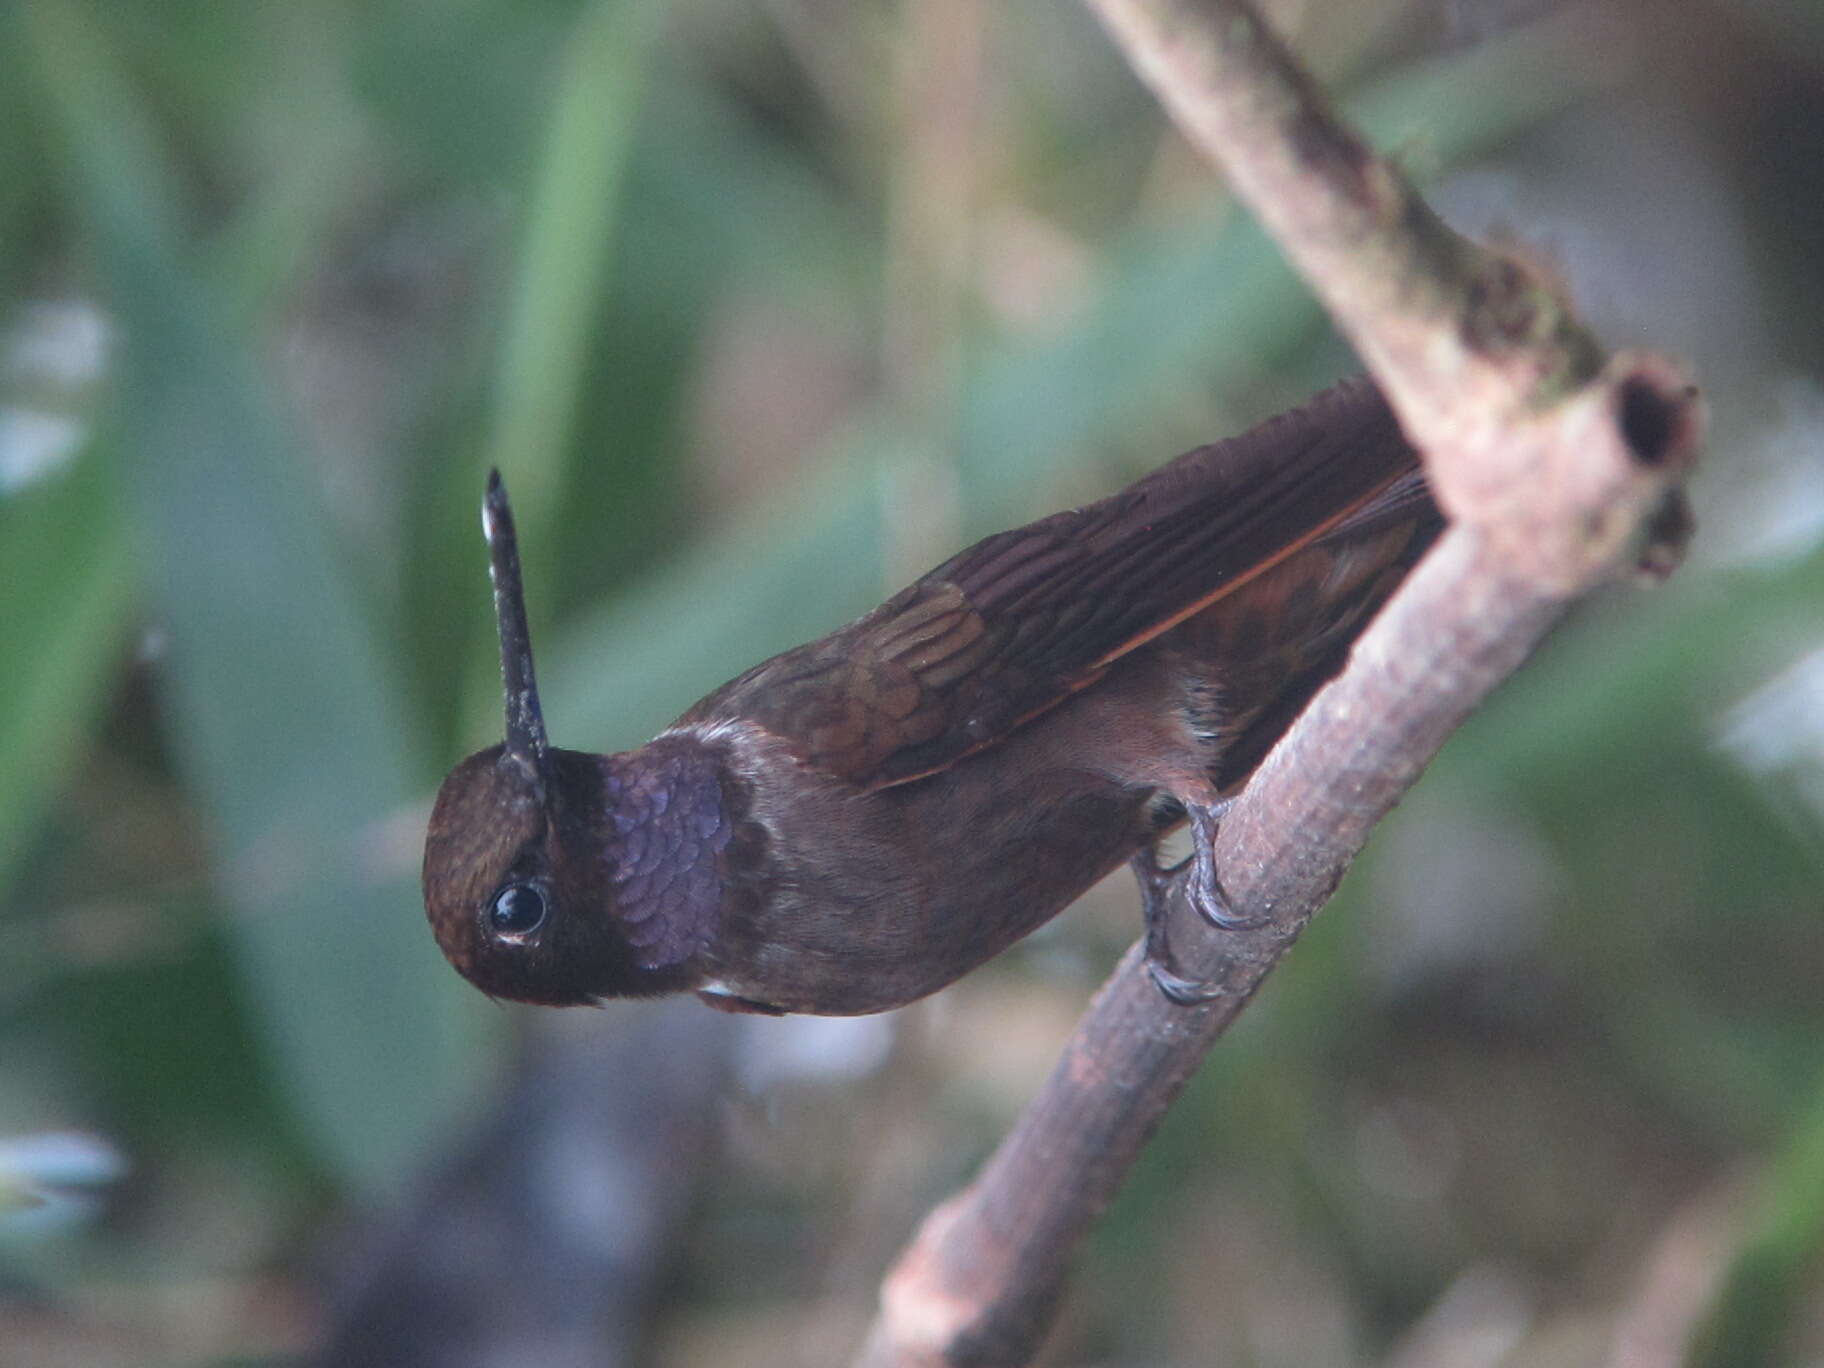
column 1556, row 469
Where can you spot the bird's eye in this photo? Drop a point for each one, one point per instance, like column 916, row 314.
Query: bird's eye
column 519, row 910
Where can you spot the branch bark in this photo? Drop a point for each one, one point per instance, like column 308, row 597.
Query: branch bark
column 1557, row 467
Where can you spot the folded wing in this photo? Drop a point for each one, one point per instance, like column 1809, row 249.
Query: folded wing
column 1013, row 625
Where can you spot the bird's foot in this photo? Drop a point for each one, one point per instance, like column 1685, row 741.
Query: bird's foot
column 1155, row 906
column 1203, row 892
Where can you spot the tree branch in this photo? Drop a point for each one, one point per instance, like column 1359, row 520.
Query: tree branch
column 1556, row 467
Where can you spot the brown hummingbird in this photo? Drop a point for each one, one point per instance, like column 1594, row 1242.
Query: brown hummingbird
column 855, row 823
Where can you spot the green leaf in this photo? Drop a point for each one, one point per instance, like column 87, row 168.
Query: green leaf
column 1773, row 1275
column 286, row 720
column 561, row 270
column 65, row 562
column 564, row 258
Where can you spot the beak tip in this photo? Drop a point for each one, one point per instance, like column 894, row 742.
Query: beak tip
column 494, row 508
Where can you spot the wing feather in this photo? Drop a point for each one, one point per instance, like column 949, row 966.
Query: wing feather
column 1011, row 626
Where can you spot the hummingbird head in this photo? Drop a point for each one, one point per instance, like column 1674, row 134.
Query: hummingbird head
column 513, row 882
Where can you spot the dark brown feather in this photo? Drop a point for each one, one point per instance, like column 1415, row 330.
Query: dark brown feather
column 1010, row 627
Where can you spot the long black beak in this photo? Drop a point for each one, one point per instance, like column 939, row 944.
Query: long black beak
column 525, row 720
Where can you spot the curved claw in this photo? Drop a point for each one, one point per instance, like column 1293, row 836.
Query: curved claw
column 1186, row 992
column 1204, row 892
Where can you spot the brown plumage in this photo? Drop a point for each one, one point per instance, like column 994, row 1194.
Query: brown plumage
column 854, row 823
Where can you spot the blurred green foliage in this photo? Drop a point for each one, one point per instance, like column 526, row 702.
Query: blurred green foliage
column 344, row 257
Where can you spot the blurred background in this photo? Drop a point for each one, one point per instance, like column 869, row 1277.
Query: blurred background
column 763, row 308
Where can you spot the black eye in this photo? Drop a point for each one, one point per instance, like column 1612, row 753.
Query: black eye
column 519, row 910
